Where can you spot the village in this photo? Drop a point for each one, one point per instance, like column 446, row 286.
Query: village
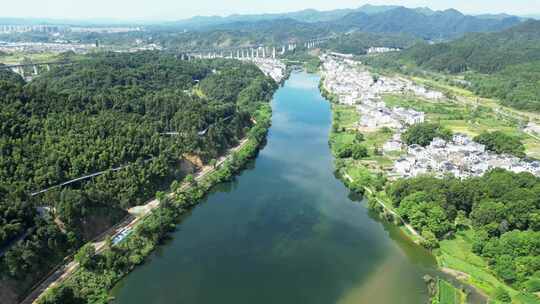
column 461, row 157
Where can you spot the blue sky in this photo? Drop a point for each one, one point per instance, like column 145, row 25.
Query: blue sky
column 178, row 9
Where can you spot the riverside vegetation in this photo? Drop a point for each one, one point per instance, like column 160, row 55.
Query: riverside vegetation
column 108, row 111
column 482, row 229
column 485, row 228
column 98, row 273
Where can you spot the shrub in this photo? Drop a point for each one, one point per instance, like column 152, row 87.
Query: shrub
column 502, row 295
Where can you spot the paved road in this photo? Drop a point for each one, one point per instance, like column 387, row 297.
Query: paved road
column 64, row 271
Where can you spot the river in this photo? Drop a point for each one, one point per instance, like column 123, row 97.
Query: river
column 284, row 231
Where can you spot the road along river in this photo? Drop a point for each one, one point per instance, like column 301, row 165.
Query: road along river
column 285, row 231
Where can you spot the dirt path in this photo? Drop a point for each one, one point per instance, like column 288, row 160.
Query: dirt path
column 408, row 226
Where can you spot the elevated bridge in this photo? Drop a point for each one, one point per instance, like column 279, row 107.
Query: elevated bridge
column 34, row 67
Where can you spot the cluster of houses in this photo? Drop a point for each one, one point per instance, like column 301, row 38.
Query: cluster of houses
column 376, row 115
column 41, row 47
column 378, row 50
column 353, row 84
column 460, row 157
column 270, row 67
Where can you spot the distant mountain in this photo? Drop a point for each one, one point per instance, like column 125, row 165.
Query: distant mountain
column 435, row 25
column 375, row 9
column 483, row 52
column 494, row 16
column 308, row 16
column 421, row 22
column 533, row 16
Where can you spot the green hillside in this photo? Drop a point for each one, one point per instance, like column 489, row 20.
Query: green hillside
column 503, row 65
column 107, row 111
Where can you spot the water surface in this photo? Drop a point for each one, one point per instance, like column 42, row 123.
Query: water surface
column 285, row 231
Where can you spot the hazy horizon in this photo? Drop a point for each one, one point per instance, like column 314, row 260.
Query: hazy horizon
column 167, row 10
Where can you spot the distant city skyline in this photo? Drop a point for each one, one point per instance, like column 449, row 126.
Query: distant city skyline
column 174, row 10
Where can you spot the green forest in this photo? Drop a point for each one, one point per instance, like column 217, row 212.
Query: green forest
column 139, row 114
column 503, row 65
column 501, row 207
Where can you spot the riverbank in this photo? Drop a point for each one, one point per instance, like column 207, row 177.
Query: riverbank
column 367, row 176
column 98, row 270
column 286, row 224
column 370, row 183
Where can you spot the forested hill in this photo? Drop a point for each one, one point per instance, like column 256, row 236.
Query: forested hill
column 481, row 52
column 237, row 30
column 106, row 111
column 503, row 65
column 421, row 22
column 433, row 25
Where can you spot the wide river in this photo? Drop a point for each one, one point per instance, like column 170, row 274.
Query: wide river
column 284, row 231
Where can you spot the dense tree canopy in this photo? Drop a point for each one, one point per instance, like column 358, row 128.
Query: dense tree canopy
column 500, row 143
column 139, row 113
column 422, row 134
column 503, row 209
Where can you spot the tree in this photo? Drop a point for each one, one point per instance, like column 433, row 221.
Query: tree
column 422, row 134
column 190, row 179
column 500, row 143
column 85, row 256
column 344, row 150
column 533, row 285
column 488, row 212
column 359, row 151
column 505, row 268
column 429, row 240
column 502, row 295
column 62, row 294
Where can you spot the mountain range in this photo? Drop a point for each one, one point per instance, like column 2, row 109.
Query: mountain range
column 421, row 22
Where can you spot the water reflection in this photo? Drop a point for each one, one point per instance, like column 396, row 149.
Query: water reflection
column 285, row 231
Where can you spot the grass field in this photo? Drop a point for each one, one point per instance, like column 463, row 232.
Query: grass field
column 345, row 116
column 468, row 119
column 447, row 293
column 457, row 254
column 469, row 97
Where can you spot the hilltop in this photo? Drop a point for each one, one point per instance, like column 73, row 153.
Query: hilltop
column 422, row 22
